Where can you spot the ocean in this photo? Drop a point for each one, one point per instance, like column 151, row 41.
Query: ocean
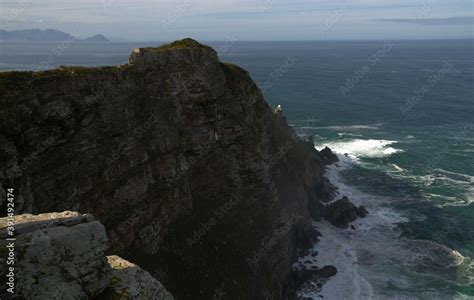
column 399, row 114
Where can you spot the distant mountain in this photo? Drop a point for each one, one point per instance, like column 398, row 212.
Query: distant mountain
column 47, row 35
column 35, row 35
column 97, row 38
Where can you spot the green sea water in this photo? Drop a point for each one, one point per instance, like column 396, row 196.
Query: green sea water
column 403, row 126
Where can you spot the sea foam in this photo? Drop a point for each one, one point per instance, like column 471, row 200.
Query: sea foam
column 358, row 148
column 340, row 247
column 374, row 255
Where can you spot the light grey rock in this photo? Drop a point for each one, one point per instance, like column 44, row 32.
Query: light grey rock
column 129, row 281
column 58, row 256
column 62, row 256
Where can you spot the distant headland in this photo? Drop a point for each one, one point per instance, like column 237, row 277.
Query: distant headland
column 46, row 35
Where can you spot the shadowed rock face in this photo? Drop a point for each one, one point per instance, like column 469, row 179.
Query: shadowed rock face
column 178, row 155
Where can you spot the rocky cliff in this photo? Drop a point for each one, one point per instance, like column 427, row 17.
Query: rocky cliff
column 194, row 176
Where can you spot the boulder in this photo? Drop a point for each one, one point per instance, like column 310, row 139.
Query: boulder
column 301, row 280
column 342, row 212
column 362, row 211
column 327, row 156
column 326, row 272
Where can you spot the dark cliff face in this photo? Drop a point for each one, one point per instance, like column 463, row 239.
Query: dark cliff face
column 194, row 176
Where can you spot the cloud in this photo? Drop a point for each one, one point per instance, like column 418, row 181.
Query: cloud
column 433, row 21
column 249, row 19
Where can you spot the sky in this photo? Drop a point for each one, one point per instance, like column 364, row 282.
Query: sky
column 164, row 20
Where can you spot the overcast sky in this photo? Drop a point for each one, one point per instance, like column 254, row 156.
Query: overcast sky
column 163, row 20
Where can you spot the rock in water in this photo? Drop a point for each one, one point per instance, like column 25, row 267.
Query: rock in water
column 342, row 212
column 362, row 211
column 327, row 156
column 326, row 272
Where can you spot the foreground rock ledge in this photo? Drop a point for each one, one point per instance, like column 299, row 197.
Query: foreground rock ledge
column 61, row 256
column 129, row 281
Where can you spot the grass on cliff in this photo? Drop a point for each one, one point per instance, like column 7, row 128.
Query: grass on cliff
column 14, row 81
column 234, row 72
column 186, row 43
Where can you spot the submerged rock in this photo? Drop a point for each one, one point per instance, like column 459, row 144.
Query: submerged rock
column 327, row 156
column 362, row 211
column 326, row 272
column 304, row 280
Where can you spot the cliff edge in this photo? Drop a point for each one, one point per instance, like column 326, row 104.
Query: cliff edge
column 194, row 176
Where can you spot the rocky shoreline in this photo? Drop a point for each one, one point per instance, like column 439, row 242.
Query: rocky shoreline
column 195, row 177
